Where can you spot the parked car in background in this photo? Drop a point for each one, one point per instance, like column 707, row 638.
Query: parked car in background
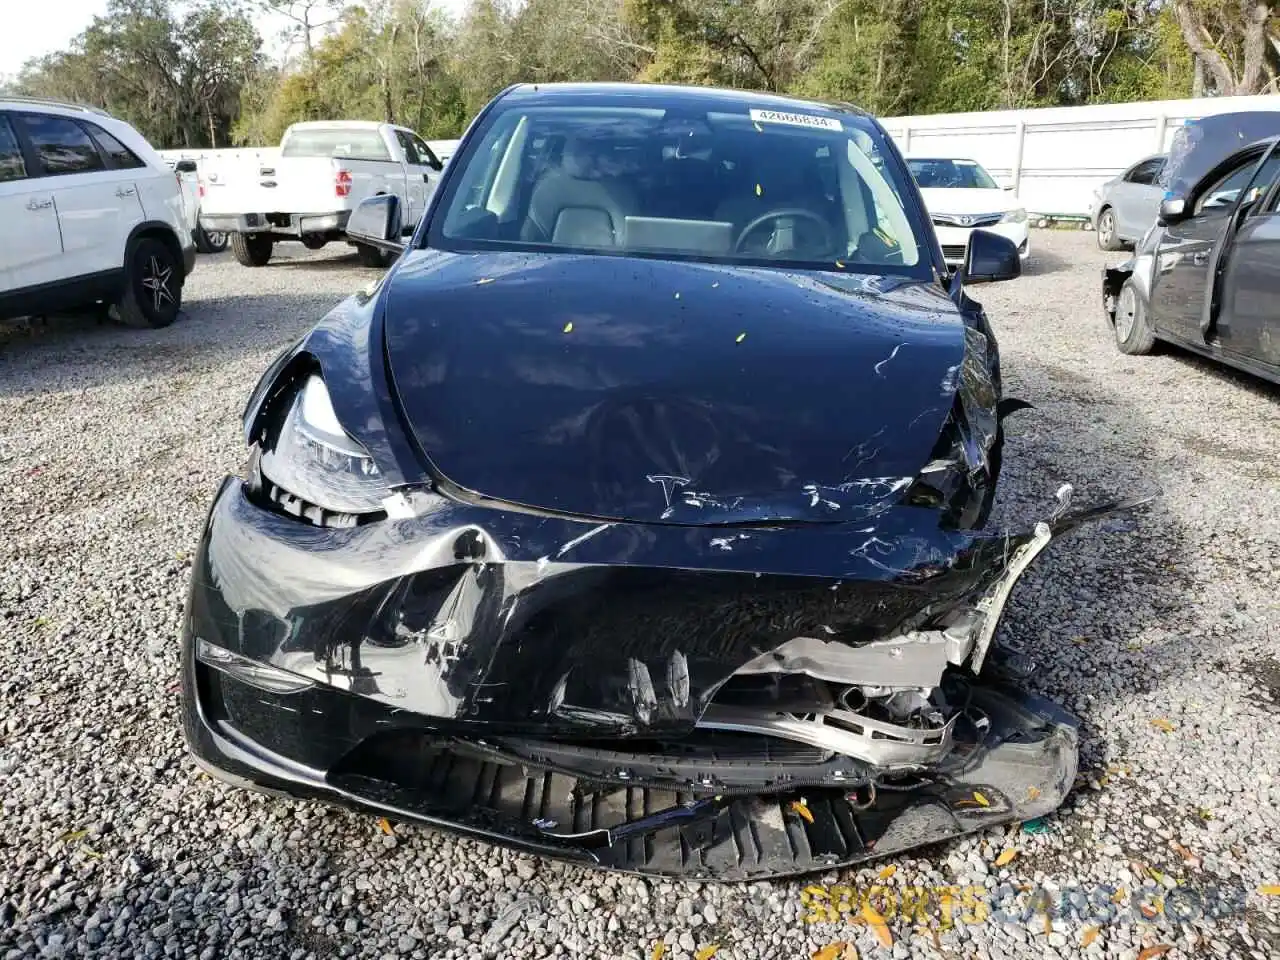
column 1125, row 207
column 324, row 169
column 961, row 197
column 187, row 171
column 89, row 213
column 1207, row 277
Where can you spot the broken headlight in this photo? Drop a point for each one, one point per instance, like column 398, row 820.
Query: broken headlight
column 321, row 473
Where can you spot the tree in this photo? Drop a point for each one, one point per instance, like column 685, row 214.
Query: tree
column 192, row 72
column 386, row 61
column 175, row 75
column 1234, row 41
column 766, row 44
column 306, row 18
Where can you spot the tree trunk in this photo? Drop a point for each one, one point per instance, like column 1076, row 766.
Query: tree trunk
column 1197, row 76
column 1255, row 47
column 1248, row 28
column 1197, row 39
column 306, row 35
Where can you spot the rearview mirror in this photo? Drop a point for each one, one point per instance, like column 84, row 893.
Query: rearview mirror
column 1173, row 208
column 989, row 257
column 378, row 222
column 185, row 166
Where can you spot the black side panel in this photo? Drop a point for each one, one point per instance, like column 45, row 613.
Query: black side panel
column 61, row 296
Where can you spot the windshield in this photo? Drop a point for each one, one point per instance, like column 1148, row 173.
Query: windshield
column 950, row 173
column 755, row 186
column 340, row 142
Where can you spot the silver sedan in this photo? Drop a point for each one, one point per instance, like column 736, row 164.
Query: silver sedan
column 1125, row 206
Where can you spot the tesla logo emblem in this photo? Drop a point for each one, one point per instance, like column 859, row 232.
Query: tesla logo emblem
column 669, row 484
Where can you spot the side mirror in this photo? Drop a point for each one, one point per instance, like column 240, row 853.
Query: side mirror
column 185, row 166
column 1173, row 208
column 990, row 257
column 378, row 222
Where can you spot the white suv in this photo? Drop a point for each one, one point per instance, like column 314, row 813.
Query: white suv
column 89, row 213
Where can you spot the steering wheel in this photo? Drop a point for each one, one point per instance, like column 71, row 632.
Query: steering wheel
column 796, row 212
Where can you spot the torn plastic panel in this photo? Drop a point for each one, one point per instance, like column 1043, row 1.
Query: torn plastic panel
column 1022, row 769
column 571, row 680
column 622, row 676
column 439, row 613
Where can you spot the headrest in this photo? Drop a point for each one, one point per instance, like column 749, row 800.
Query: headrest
column 581, row 157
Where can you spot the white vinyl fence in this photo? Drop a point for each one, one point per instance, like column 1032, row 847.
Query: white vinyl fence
column 1054, row 156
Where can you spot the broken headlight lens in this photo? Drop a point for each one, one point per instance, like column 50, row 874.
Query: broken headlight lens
column 315, row 460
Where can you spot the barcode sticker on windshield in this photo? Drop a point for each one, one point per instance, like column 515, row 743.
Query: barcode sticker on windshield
column 795, row 119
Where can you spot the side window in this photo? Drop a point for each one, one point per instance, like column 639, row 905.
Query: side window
column 121, row 157
column 12, row 166
column 1146, row 172
column 425, row 152
column 1221, row 195
column 61, row 144
column 1274, row 203
column 407, row 145
column 1266, row 176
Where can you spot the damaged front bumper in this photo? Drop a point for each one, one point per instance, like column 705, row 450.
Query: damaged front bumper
column 669, row 700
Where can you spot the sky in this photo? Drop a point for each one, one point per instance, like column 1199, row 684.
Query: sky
column 34, row 37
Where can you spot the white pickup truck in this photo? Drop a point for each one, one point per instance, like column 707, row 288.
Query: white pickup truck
column 307, row 192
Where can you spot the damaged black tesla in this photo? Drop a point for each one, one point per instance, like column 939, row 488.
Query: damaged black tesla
column 637, row 516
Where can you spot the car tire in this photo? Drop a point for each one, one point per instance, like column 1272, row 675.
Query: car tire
column 207, row 242
column 314, row 241
column 1106, row 234
column 1134, row 333
column 372, row 256
column 252, row 249
column 152, row 294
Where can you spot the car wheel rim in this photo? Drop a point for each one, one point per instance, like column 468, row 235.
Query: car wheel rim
column 1105, row 228
column 1126, row 314
column 156, row 277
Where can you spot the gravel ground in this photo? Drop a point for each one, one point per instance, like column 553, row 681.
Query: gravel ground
column 1160, row 634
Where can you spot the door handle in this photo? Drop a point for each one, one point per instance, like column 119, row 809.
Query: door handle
column 1200, row 258
column 39, row 204
column 125, row 191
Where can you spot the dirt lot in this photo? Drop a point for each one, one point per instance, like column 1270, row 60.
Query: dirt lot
column 1160, row 634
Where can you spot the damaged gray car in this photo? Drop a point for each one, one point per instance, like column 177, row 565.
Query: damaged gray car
column 638, row 515
column 1204, row 276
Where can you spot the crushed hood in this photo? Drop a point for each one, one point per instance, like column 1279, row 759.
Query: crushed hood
column 652, row 391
